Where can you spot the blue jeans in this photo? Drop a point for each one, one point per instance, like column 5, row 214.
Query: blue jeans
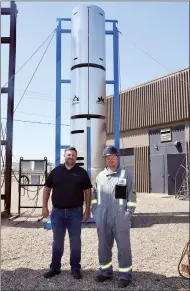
column 61, row 220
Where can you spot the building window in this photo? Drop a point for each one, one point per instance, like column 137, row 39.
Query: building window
column 127, row 152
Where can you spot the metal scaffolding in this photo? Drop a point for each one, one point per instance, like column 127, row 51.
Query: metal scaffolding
column 115, row 34
column 9, row 90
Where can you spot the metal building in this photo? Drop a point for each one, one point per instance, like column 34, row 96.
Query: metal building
column 154, row 132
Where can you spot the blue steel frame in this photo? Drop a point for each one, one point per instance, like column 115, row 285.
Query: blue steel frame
column 59, row 81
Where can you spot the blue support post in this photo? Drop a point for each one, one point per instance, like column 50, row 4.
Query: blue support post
column 116, row 88
column 109, row 32
column 110, row 82
column 66, row 30
column 64, row 19
column 63, row 147
column 58, row 95
column 111, row 21
column 65, row 81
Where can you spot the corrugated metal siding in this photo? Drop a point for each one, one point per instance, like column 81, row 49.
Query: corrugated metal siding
column 142, row 169
column 162, row 101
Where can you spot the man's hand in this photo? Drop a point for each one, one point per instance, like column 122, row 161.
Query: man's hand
column 45, row 212
column 86, row 216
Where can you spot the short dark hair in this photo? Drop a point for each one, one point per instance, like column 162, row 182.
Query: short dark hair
column 71, row 149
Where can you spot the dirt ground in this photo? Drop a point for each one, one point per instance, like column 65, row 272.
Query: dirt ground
column 159, row 234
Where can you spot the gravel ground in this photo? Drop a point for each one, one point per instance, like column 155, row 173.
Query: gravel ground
column 159, row 234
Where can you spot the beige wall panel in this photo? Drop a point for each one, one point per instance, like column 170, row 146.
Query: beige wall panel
column 131, row 139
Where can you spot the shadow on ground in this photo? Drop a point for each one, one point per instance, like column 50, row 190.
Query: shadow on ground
column 28, row 279
column 23, row 222
column 139, row 220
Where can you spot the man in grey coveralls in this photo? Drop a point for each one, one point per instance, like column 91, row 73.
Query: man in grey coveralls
column 113, row 203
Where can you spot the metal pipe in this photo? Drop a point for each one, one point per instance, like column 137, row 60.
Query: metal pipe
column 116, row 88
column 63, row 19
column 108, row 82
column 58, row 95
column 69, row 19
column 65, row 81
column 65, row 30
column 10, row 106
column 64, row 146
column 19, row 186
column 108, row 32
column 88, row 148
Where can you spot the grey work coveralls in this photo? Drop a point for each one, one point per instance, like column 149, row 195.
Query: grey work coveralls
column 112, row 216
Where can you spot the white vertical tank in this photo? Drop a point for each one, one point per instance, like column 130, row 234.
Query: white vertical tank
column 88, row 86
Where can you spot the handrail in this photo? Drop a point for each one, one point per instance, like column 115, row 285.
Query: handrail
column 183, row 177
column 178, row 172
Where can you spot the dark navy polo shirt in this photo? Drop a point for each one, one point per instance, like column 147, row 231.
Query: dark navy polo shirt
column 68, row 186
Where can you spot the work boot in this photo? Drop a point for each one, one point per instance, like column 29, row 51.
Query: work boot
column 100, row 278
column 76, row 274
column 122, row 283
column 52, row 273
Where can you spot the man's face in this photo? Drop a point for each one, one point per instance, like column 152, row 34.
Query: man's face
column 70, row 158
column 112, row 161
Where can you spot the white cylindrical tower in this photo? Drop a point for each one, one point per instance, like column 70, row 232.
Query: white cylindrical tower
column 88, row 86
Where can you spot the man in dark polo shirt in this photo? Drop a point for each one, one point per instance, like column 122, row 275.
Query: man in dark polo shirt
column 70, row 183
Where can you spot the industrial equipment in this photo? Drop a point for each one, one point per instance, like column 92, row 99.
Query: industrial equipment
column 32, row 173
column 88, row 87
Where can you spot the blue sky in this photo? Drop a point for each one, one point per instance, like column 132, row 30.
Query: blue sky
column 161, row 29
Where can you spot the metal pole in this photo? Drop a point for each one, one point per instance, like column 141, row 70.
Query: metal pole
column 19, row 186
column 10, row 107
column 58, row 95
column 88, row 148
column 46, row 165
column 116, row 88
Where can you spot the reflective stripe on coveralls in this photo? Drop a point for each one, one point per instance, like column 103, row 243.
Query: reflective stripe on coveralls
column 96, row 201
column 122, row 175
column 125, row 269
column 129, row 204
column 99, row 200
column 106, row 266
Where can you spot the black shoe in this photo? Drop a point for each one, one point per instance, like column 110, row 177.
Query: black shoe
column 100, row 278
column 76, row 274
column 122, row 283
column 51, row 273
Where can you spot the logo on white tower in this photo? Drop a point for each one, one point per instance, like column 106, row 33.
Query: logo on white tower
column 100, row 100
column 75, row 100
